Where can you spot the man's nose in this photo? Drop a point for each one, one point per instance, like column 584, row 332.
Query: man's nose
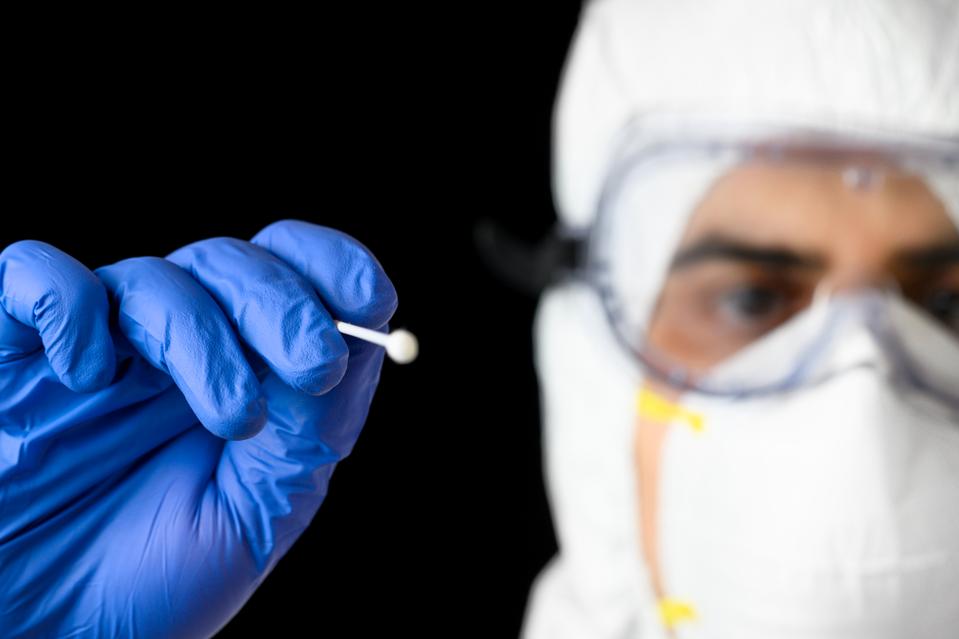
column 856, row 280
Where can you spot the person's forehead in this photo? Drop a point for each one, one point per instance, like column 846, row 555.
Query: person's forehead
column 815, row 205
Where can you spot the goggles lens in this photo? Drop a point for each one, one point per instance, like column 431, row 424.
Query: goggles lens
column 765, row 235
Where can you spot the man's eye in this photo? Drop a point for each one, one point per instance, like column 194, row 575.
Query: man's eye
column 944, row 305
column 751, row 304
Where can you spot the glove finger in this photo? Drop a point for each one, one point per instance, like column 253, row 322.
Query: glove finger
column 273, row 308
column 350, row 281
column 51, row 300
column 173, row 323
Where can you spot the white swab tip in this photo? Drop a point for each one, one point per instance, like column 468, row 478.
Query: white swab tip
column 402, row 346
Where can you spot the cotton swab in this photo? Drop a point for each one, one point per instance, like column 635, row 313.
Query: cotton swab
column 401, row 345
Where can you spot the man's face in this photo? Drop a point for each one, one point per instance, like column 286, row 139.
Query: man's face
column 763, row 241
column 767, row 234
column 752, row 256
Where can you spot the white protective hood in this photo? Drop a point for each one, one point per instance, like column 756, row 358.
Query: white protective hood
column 891, row 65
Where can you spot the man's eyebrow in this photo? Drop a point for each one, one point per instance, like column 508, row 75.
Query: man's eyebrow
column 718, row 247
column 931, row 257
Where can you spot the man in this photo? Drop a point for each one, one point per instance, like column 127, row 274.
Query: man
column 750, row 392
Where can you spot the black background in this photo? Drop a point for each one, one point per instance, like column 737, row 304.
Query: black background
column 403, row 126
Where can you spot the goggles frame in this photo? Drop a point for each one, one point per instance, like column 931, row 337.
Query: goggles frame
column 651, row 137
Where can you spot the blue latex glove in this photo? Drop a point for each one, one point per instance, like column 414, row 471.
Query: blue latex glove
column 154, row 470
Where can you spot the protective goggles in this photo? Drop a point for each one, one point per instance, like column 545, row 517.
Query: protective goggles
column 781, row 245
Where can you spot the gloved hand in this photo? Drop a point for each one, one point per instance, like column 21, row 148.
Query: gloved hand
column 154, row 468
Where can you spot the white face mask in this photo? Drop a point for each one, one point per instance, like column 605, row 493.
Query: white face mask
column 828, row 511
